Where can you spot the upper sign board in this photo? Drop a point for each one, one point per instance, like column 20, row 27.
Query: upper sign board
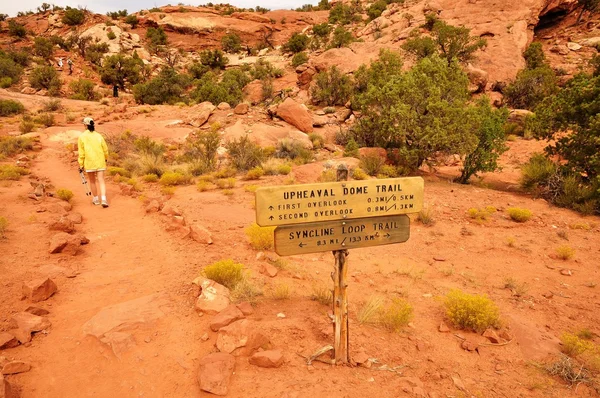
column 306, row 203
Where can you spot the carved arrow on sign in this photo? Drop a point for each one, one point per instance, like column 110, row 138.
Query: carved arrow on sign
column 271, row 218
column 302, row 244
column 271, row 207
column 387, row 235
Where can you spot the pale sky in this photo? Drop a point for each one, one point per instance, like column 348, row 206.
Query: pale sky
column 102, row 6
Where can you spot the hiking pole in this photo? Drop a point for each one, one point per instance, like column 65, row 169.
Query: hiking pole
column 88, row 192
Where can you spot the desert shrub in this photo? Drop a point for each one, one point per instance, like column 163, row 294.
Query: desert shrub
column 27, row 124
column 132, row 20
column 95, row 53
column 425, row 216
column 387, row 171
column 420, row 46
column 10, row 172
column 225, row 183
column 10, row 146
column 575, row 193
column 255, row 173
column 322, row 295
column 263, row 69
column 586, row 334
column 201, row 150
column 224, row 172
column 10, row 107
column 317, row 140
column 534, row 56
column 328, row 175
column 565, row 252
column 519, row 215
column 196, row 70
column 531, row 87
column 244, row 153
column 351, row 149
column 52, row 105
column 3, row 227
column 225, row 272
column 322, row 30
column 231, row 43
column 167, row 87
column 45, row 77
column 156, row 37
column 297, row 43
column 73, row 16
column 83, row 89
column 343, row 14
column 214, row 59
column 371, row 163
column 43, row 47
column 299, row 59
column 119, row 70
column 113, row 171
column 370, row 310
column 281, row 292
column 150, row 178
column 274, row 166
column 573, row 346
column 246, row 290
column 290, row 149
column 111, row 35
column 64, row 194
column 203, row 186
column 45, row 119
column 537, row 171
column 471, row 311
column 396, row 315
column 341, row 38
column 359, row 174
column 10, row 70
column 332, row 87
column 375, row 10
column 171, row 178
column 481, row 214
column 261, row 238
column 229, row 89
column 16, row 29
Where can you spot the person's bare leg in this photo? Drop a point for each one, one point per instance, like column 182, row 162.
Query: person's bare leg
column 101, row 183
column 92, row 180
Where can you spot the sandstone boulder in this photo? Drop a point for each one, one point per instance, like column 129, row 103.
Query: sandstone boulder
column 246, row 308
column 269, row 270
column 75, row 218
column 223, row 106
column 215, row 372
column 63, row 224
column 39, row 289
column 200, row 113
column 153, row 206
column 265, row 134
column 7, row 340
column 267, row 359
column 62, row 242
column 14, row 367
column 295, row 114
column 37, row 311
column 170, row 210
column 24, row 323
column 226, row 317
column 241, row 109
column 200, row 234
column 233, row 336
column 253, row 92
column 213, row 298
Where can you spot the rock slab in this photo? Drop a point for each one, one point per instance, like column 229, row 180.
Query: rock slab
column 7, row 340
column 26, row 323
column 267, row 359
column 226, row 317
column 296, row 115
column 213, row 298
column 14, row 367
column 39, row 289
column 215, row 372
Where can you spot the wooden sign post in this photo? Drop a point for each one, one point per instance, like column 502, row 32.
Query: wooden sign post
column 338, row 216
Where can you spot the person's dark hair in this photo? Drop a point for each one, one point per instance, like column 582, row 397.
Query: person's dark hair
column 91, row 126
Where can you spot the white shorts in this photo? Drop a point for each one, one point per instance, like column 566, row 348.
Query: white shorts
column 94, row 170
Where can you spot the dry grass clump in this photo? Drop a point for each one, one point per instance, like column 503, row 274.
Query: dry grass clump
column 171, row 178
column 569, row 370
column 3, row 227
column 519, row 215
column 10, row 146
column 225, row 172
column 322, row 295
column 425, row 216
column 517, row 289
column 573, row 346
column 203, row 186
column 370, row 310
column 359, row 174
column 228, row 192
column 64, row 194
column 581, row 225
column 471, row 311
column 565, row 252
column 397, row 315
column 255, row 173
column 585, row 334
column 251, row 188
column 388, row 171
column 168, row 191
column 225, row 183
column 481, row 215
column 281, row 292
column 246, row 290
column 150, row 177
column 113, row 171
column 226, row 272
column 10, row 172
column 261, row 238
column 328, row 175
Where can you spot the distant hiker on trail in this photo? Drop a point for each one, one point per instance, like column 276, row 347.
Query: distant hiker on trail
column 70, row 63
column 115, row 91
column 92, row 158
column 60, row 63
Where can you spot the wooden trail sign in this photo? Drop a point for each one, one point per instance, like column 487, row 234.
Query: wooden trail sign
column 339, row 235
column 341, row 200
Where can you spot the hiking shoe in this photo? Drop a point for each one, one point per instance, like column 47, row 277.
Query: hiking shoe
column 104, row 204
column 96, row 201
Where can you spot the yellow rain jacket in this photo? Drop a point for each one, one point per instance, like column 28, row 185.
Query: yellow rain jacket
column 92, row 151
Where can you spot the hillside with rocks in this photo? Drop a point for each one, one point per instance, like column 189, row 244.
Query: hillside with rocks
column 174, row 290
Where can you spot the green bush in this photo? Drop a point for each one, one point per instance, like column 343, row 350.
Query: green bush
column 471, row 311
column 290, row 149
column 111, row 35
column 73, row 16
column 197, row 70
column 261, row 238
column 332, row 87
column 10, row 146
column 244, row 153
column 519, row 215
column 95, row 53
column 299, row 59
column 297, row 43
column 534, row 56
column 531, row 87
column 45, row 77
column 167, row 87
column 10, row 70
column 83, row 89
column 317, row 140
column 43, row 47
column 64, row 194
column 255, row 173
column 322, row 30
column 420, row 46
column 263, row 69
column 119, row 69
column 214, row 59
column 371, row 163
column 45, row 119
column 375, row 10
column 397, row 315
column 201, row 150
column 341, row 38
column 113, row 171
column 16, row 29
column 231, row 43
column 225, row 272
column 343, row 14
column 537, row 172
column 351, row 149
column 27, row 124
column 10, row 107
column 132, row 20
column 359, row 174
column 229, row 89
column 171, row 178
column 156, row 37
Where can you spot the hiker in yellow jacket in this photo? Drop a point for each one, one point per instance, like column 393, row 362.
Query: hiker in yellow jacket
column 92, row 158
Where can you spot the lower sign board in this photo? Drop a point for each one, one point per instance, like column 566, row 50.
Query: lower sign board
column 343, row 234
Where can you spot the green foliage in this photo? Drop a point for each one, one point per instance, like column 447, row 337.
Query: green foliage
column 244, row 153
column 537, row 172
column 95, row 52
column 214, row 59
column 343, row 14
column 452, row 42
column 111, row 35
column 290, row 149
column 196, row 70
column 591, row 6
column 255, row 173
column 156, row 37
column 64, row 194
column 43, row 47
column 171, row 178
column 359, row 174
column 595, row 64
column 332, row 87
column 341, row 38
column 10, row 68
column 10, row 146
column 201, row 150
column 519, row 215
column 113, row 171
column 225, row 272
column 10, row 107
column 45, row 77
column 491, row 144
column 351, row 149
column 297, row 43
column 573, row 346
column 119, row 70
column 231, row 43
column 83, row 89
column 167, row 87
column 531, row 87
column 375, row 10
column 45, row 119
column 27, row 124
column 322, row 30
column 117, row 14
column 261, row 238
column 471, row 311
column 371, row 163
column 420, row 112
column 16, row 29
column 299, row 59
column 229, row 89
column 263, row 69
column 317, row 140
column 73, row 16
column 132, row 20
column 534, row 56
